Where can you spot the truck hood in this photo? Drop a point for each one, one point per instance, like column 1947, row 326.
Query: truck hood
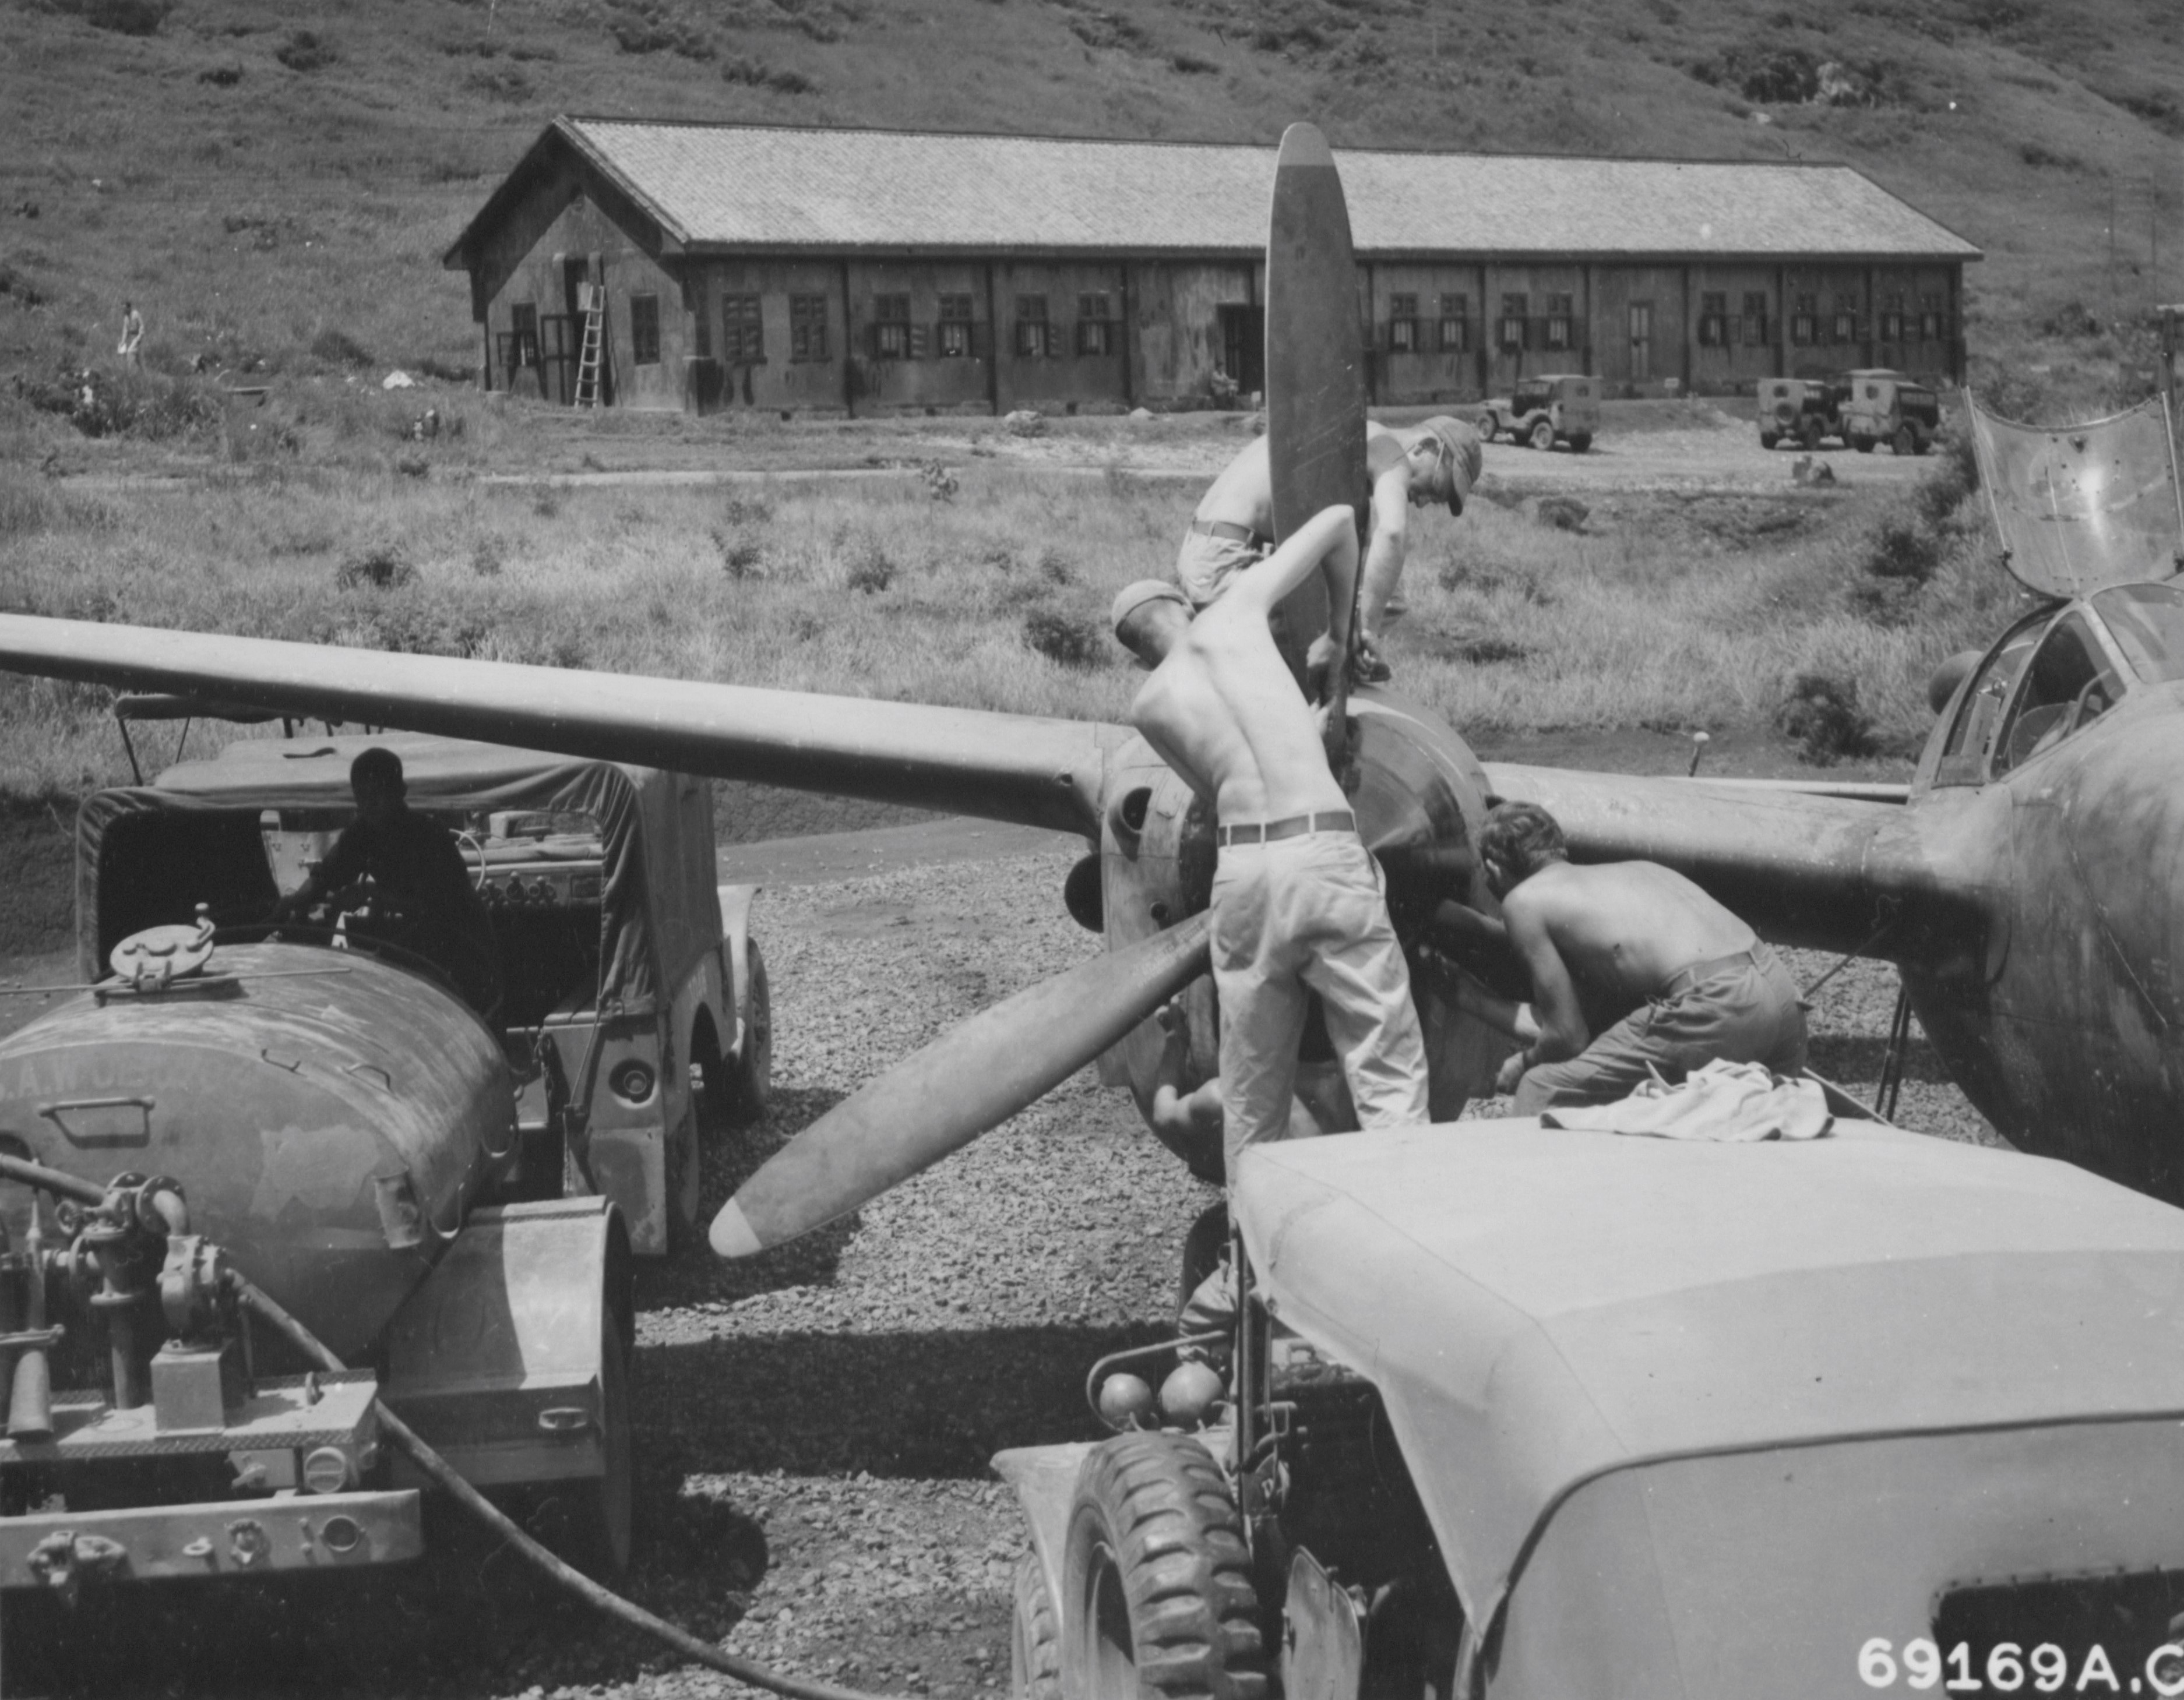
column 1541, row 1310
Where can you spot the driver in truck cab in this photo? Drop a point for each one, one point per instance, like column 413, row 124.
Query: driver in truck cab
column 424, row 891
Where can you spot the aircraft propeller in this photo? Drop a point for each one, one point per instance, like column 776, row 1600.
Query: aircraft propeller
column 972, row 1078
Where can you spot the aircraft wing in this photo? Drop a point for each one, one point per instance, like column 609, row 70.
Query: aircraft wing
column 1803, row 868
column 969, row 761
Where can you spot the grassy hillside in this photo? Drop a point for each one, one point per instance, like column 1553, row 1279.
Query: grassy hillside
column 278, row 180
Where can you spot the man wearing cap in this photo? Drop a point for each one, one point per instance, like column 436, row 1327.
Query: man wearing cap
column 418, row 872
column 1636, row 971
column 1437, row 461
column 1297, row 905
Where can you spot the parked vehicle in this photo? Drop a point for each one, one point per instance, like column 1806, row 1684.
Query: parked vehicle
column 1519, row 1412
column 1877, row 405
column 633, row 987
column 1797, row 411
column 1543, row 411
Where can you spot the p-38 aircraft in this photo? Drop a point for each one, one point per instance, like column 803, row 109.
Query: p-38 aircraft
column 2029, row 881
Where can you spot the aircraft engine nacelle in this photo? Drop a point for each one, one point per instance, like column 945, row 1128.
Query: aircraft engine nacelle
column 1419, row 796
column 329, row 1118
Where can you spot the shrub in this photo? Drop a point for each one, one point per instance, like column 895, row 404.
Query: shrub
column 1067, row 639
column 741, row 558
column 487, row 556
column 1564, row 513
column 940, row 482
column 1955, row 475
column 871, row 571
column 123, row 17
column 1055, row 568
column 746, row 510
column 380, row 566
column 306, row 50
column 1904, row 549
column 1822, row 717
column 336, row 347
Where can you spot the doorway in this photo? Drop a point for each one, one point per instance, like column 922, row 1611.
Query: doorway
column 1641, row 341
column 1244, row 348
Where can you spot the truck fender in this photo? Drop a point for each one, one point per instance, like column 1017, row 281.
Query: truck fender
column 497, row 1357
column 1044, row 1478
column 735, row 933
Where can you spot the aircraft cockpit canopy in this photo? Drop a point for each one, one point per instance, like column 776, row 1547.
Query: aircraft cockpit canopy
column 2057, row 672
column 2147, row 622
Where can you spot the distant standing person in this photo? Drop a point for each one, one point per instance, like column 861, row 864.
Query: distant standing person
column 132, row 335
column 1634, row 970
column 1438, row 461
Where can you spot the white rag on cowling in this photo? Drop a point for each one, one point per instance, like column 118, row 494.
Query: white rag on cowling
column 1732, row 1103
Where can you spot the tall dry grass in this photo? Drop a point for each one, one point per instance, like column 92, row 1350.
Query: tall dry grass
column 1656, row 611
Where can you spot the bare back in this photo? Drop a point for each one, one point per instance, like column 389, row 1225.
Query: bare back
column 1622, row 929
column 1244, row 494
column 1226, row 712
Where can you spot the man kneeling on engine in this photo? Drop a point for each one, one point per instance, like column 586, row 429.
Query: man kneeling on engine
column 1634, row 971
column 429, row 907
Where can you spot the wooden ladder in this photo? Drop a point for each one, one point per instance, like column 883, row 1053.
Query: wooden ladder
column 592, row 299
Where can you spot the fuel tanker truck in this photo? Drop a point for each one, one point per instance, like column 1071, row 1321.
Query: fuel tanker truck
column 229, row 1139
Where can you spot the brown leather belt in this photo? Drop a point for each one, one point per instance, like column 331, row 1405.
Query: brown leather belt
column 1684, row 979
column 1235, row 534
column 1270, row 832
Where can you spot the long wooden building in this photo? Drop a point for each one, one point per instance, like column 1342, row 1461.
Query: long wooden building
column 717, row 266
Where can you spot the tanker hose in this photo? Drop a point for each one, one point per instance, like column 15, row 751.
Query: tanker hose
column 57, row 1182
column 575, row 1581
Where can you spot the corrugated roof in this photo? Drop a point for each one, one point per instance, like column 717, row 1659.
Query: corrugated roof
column 752, row 186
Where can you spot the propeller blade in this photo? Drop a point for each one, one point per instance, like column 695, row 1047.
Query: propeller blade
column 969, row 1079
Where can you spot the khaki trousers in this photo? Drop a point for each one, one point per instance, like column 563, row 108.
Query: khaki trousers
column 1300, row 915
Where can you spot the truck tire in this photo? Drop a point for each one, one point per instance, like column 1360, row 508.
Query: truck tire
column 1156, row 1584
column 1580, row 441
column 1034, row 1636
column 1863, row 445
column 751, row 1088
column 1810, row 432
column 1542, row 434
column 1767, row 439
column 590, row 1521
column 1488, row 425
column 1905, row 442
column 1923, row 442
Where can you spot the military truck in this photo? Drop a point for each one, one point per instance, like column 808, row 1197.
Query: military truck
column 1521, row 1412
column 1797, row 411
column 229, row 1116
column 1543, row 411
column 1877, row 405
column 635, row 995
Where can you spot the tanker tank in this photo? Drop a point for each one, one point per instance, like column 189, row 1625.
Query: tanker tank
column 331, row 1116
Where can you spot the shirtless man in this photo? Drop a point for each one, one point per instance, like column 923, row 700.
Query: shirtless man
column 1631, row 964
column 1438, row 461
column 1296, row 899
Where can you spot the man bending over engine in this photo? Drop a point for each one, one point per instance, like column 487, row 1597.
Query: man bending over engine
column 1633, row 969
column 419, row 877
column 1296, row 903
column 1423, row 465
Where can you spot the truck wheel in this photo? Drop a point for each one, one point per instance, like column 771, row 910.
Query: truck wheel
column 1034, row 1638
column 1809, row 433
column 1921, row 442
column 1543, row 435
column 1863, row 445
column 752, row 1088
column 1488, row 425
column 1767, row 439
column 603, row 1513
column 1905, row 442
column 1580, row 441
column 1156, row 1585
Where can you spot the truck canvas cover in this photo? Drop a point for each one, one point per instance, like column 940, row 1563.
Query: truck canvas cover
column 1739, row 1407
column 659, row 902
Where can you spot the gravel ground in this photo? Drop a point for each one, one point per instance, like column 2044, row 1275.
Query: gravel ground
column 814, row 1425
